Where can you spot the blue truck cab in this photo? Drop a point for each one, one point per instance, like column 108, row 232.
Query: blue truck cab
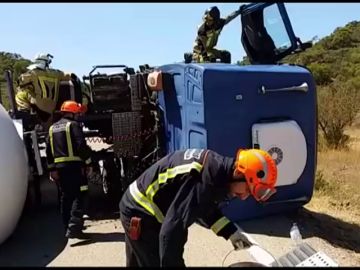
column 224, row 107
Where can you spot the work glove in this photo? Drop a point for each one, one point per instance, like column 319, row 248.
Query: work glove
column 240, row 240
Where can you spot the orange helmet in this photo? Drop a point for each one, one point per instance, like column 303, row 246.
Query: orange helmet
column 71, row 106
column 260, row 172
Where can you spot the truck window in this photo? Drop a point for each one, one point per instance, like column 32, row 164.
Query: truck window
column 276, row 28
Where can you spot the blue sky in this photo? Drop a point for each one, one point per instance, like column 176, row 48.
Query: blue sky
column 85, row 34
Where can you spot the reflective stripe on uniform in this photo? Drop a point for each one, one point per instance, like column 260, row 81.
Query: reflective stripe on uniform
column 52, row 95
column 51, row 139
column 84, row 188
column 70, row 156
column 66, row 159
column 22, row 100
column 143, row 201
column 169, row 174
column 219, row 224
column 68, row 140
column 23, row 105
column 51, row 166
column 212, row 38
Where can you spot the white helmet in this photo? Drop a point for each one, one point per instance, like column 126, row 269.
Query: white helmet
column 44, row 57
column 41, row 61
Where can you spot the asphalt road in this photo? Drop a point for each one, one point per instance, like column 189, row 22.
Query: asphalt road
column 38, row 240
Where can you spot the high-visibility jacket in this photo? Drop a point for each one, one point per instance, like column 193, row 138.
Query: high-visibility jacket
column 24, row 99
column 66, row 144
column 42, row 86
column 182, row 188
column 207, row 36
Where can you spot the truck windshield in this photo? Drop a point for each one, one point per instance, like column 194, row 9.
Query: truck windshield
column 275, row 27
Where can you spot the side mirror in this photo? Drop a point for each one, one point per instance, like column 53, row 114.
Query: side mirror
column 303, row 46
column 306, row 45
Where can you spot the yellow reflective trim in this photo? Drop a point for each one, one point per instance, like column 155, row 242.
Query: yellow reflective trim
column 50, row 166
column 212, row 38
column 70, row 156
column 22, row 104
column 84, row 188
column 145, row 202
column 68, row 140
column 169, row 174
column 66, row 159
column 21, row 97
column 220, row 224
column 51, row 140
column 42, row 80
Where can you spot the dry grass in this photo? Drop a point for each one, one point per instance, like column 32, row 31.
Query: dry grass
column 337, row 184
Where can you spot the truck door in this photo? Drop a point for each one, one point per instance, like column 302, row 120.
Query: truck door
column 267, row 34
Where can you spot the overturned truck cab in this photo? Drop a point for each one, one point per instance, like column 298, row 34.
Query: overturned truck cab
column 264, row 105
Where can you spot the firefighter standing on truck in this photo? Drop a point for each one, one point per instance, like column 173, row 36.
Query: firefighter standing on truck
column 186, row 187
column 67, row 155
column 207, row 37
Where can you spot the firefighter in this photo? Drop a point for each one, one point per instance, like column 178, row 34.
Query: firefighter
column 67, row 155
column 186, row 187
column 38, row 88
column 207, row 37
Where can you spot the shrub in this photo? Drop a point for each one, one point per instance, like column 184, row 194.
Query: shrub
column 338, row 104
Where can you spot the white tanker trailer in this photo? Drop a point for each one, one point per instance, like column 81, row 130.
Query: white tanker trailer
column 13, row 175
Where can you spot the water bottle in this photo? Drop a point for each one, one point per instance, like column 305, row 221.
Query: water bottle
column 295, row 234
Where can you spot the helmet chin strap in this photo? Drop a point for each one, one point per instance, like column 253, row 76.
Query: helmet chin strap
column 69, row 115
column 237, row 180
column 236, row 175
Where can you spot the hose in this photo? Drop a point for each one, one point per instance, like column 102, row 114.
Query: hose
column 121, row 138
column 274, row 258
column 222, row 265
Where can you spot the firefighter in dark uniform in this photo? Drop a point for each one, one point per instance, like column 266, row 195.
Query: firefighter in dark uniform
column 186, row 187
column 207, row 37
column 68, row 155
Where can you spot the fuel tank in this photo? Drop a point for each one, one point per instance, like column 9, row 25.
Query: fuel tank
column 13, row 175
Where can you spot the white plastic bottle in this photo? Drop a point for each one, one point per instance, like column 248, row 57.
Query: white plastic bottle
column 295, row 234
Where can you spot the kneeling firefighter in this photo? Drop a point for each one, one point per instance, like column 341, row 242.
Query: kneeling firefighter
column 186, row 187
column 68, row 157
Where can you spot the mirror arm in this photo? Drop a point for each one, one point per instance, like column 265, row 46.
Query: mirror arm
column 305, row 45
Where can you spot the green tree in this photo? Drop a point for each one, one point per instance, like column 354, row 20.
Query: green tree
column 338, row 105
column 17, row 65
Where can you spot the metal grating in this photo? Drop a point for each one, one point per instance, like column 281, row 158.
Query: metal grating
column 127, row 133
column 304, row 255
column 318, row 259
column 137, row 88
